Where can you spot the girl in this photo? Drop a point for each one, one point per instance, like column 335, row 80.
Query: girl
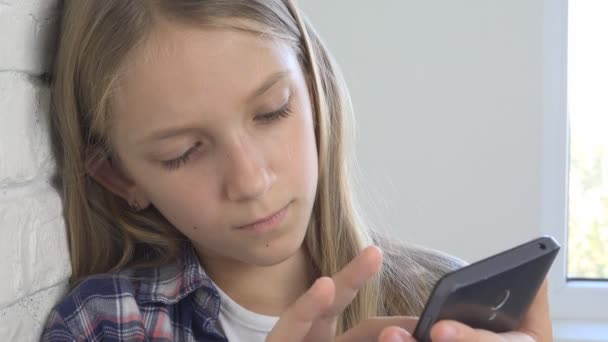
column 202, row 156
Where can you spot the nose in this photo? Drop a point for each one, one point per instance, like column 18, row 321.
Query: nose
column 247, row 175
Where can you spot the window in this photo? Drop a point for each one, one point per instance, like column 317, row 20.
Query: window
column 587, row 89
column 578, row 306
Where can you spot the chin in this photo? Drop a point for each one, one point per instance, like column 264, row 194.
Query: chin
column 274, row 252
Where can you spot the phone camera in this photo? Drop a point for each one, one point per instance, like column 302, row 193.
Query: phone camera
column 542, row 246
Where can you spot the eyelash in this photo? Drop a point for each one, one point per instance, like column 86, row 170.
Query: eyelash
column 176, row 163
column 283, row 112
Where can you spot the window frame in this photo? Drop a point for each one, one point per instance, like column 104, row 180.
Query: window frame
column 570, row 301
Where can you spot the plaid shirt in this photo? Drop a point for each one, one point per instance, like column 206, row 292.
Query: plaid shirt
column 176, row 302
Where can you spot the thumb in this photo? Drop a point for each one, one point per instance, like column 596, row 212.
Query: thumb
column 453, row 331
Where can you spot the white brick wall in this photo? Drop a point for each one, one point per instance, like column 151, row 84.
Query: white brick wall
column 34, row 264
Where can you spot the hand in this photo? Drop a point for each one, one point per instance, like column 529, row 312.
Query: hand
column 535, row 327
column 314, row 316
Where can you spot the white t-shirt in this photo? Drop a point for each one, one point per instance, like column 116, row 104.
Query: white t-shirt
column 242, row 325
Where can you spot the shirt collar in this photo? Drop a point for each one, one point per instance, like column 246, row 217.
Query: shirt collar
column 170, row 283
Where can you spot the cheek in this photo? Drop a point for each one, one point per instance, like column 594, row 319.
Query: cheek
column 182, row 202
column 299, row 154
column 309, row 153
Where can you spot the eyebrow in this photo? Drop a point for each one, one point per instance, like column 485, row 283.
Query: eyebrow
column 179, row 130
column 268, row 84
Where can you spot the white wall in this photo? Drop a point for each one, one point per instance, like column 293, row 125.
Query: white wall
column 33, row 250
column 447, row 98
column 448, row 102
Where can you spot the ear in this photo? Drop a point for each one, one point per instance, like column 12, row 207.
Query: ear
column 113, row 179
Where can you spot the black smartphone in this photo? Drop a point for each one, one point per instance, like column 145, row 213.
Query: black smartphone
column 494, row 293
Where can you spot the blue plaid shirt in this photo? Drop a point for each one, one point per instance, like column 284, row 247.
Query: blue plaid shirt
column 176, row 302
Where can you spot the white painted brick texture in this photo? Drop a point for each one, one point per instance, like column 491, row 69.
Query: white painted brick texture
column 34, row 263
column 27, row 34
column 24, row 147
column 33, row 240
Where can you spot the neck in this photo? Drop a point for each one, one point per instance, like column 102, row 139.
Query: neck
column 267, row 290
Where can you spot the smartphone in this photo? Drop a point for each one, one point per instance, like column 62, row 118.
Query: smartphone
column 494, row 293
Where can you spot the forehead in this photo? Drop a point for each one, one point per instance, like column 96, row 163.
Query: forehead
column 182, row 70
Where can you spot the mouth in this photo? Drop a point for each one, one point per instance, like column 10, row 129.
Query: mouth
column 267, row 223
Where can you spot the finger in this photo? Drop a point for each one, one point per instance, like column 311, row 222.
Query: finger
column 453, row 331
column 347, row 281
column 394, row 334
column 352, row 277
column 371, row 328
column 537, row 322
column 296, row 321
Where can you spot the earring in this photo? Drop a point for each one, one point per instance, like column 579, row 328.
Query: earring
column 134, row 206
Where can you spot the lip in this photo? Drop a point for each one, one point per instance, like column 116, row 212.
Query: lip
column 268, row 223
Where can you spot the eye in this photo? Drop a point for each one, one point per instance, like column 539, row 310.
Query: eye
column 174, row 164
column 283, row 112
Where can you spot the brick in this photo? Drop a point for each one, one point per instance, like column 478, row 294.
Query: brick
column 24, row 320
column 28, row 38
column 33, row 248
column 38, row 8
column 25, row 145
column 17, row 325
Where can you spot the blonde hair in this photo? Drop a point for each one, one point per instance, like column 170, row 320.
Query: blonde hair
column 96, row 40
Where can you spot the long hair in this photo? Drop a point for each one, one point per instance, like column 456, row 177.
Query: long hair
column 96, row 41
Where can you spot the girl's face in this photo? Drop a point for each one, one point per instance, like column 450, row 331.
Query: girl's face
column 215, row 129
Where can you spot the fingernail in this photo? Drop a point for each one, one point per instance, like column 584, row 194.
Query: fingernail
column 448, row 333
column 399, row 336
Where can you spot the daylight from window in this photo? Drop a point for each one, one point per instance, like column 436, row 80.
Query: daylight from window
column 588, row 121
